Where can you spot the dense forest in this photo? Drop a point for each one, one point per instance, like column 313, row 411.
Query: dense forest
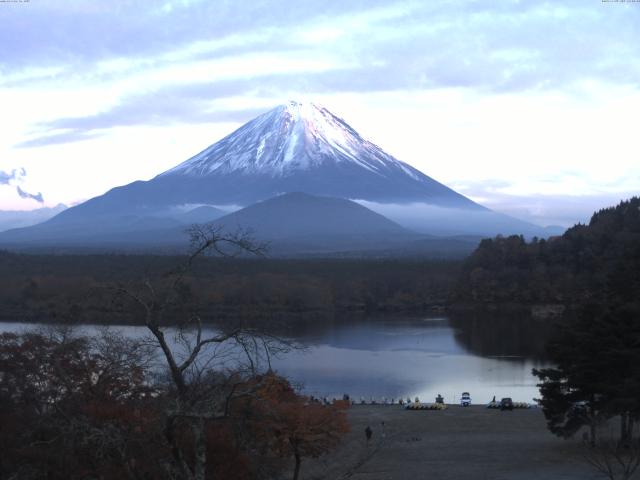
column 595, row 351
column 72, row 288
column 587, row 263
column 593, row 271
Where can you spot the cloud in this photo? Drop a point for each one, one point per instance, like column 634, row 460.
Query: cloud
column 191, row 103
column 503, row 46
column 563, row 210
column 143, row 110
column 482, row 187
column 75, row 135
column 37, row 197
column 5, row 177
column 543, row 210
column 187, row 104
column 15, row 174
column 153, row 111
column 169, row 61
column 83, row 31
column 18, row 175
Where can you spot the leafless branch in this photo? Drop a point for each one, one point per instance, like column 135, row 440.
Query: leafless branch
column 613, row 460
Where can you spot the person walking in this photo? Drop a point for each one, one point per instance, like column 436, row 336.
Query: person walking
column 368, row 433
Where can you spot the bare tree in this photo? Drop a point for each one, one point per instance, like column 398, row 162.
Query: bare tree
column 614, row 460
column 198, row 359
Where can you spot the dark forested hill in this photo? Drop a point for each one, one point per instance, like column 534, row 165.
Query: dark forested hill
column 75, row 288
column 588, row 262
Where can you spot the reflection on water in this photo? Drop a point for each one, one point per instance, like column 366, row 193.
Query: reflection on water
column 407, row 357
column 501, row 334
column 395, row 357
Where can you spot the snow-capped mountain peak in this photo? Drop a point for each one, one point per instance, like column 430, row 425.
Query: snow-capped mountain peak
column 297, row 147
column 292, row 137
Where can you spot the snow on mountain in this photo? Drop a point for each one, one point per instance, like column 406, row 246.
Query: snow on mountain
column 295, row 136
column 296, row 147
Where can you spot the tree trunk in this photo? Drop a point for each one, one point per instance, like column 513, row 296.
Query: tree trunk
column 176, row 373
column 179, row 462
column 296, row 471
column 624, row 428
column 200, row 467
column 592, row 432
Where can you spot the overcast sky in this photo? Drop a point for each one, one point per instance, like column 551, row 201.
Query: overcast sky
column 529, row 107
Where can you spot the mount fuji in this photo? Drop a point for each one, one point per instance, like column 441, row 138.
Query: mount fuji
column 300, row 147
column 296, row 147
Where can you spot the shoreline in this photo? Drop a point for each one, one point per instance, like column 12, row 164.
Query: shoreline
column 535, row 311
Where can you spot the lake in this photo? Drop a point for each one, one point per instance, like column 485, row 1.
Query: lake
column 404, row 357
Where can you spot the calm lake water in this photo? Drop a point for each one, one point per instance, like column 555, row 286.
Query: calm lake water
column 407, row 357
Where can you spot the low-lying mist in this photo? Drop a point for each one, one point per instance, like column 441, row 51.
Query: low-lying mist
column 433, row 220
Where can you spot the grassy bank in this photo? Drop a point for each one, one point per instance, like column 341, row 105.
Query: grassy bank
column 472, row 443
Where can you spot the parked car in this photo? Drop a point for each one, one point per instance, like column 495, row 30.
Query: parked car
column 465, row 399
column 579, row 409
column 506, row 404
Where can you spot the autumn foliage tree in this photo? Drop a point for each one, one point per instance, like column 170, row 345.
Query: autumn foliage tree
column 74, row 407
column 292, row 426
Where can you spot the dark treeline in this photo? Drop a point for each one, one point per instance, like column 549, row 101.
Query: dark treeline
column 594, row 271
column 70, row 288
column 587, row 263
column 596, row 373
column 502, row 332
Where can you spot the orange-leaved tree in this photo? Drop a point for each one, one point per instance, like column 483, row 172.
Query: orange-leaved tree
column 291, row 425
column 76, row 407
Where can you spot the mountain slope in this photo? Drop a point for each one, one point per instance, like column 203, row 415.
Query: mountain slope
column 304, row 147
column 16, row 219
column 203, row 214
column 294, row 147
column 294, row 215
column 293, row 224
column 302, row 224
